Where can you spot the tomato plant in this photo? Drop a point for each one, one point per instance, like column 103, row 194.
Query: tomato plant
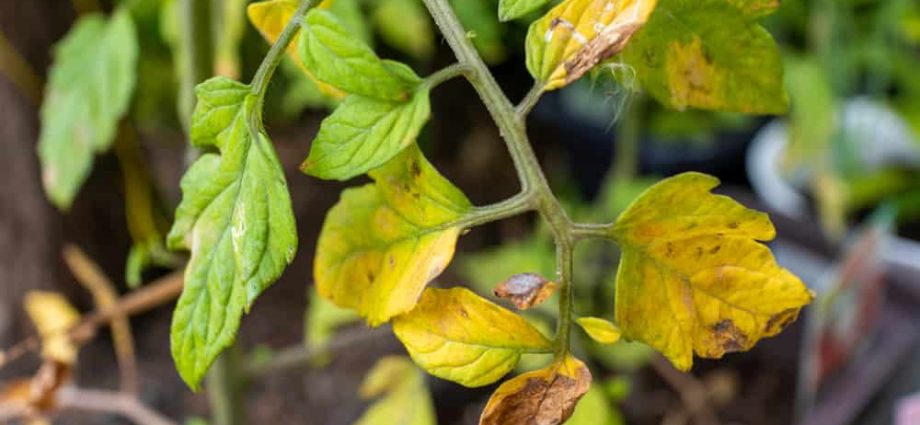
column 694, row 279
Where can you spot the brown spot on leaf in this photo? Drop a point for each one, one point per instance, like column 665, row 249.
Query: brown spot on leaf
column 733, row 225
column 526, row 290
column 715, row 249
column 779, row 321
column 607, row 43
column 729, row 337
column 547, row 397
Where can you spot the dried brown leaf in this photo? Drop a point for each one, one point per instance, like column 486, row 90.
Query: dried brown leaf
column 526, row 290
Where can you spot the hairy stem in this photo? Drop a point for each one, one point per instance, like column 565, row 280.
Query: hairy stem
column 534, row 186
column 447, row 73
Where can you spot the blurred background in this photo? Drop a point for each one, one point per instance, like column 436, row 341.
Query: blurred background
column 839, row 176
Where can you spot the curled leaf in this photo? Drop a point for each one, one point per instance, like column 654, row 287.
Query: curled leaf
column 526, row 290
column 693, row 276
column 384, row 241
column 576, row 35
column 53, row 317
column 600, row 330
column 545, row 397
column 457, row 335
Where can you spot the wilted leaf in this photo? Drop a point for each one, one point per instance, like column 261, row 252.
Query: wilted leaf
column 235, row 217
column 513, row 9
column 383, row 242
column 89, row 89
column 710, row 54
column 405, row 25
column 600, row 330
column 546, row 396
column 53, row 317
column 693, row 276
column 457, row 335
column 576, row 35
column 526, row 290
column 337, row 58
column 364, row 133
column 405, row 400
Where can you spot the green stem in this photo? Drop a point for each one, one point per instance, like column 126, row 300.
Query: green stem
column 534, row 186
column 529, row 101
column 267, row 68
column 198, row 52
column 447, row 73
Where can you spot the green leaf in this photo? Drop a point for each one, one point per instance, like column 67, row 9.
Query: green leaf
column 513, row 9
column 595, row 409
column 405, row 25
column 236, row 219
column 404, row 397
column 383, row 242
column 338, row 58
column 478, row 17
column 89, row 89
column 710, row 54
column 364, row 133
column 457, row 335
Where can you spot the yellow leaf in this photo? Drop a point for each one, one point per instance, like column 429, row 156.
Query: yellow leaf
column 404, row 397
column 576, row 35
column 600, row 330
column 457, row 335
column 693, row 276
column 546, row 396
column 526, row 290
column 270, row 17
column 383, row 242
column 53, row 317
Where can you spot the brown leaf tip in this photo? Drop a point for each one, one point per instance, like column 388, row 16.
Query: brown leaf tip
column 547, row 397
column 526, row 290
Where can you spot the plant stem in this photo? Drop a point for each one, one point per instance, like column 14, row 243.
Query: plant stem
column 267, row 68
column 197, row 51
column 446, row 74
column 529, row 101
column 534, row 186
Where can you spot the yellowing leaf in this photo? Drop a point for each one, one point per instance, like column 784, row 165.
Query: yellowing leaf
column 526, row 290
column 383, row 242
column 693, row 276
column 53, row 317
column 600, row 330
column 405, row 401
column 710, row 54
column 546, row 396
column 270, row 17
column 457, row 335
column 576, row 35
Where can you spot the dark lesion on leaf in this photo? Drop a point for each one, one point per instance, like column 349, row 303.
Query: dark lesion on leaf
column 779, row 321
column 729, row 337
column 541, row 401
column 606, row 44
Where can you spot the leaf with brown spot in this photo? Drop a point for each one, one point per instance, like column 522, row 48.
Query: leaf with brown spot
column 543, row 397
column 694, row 277
column 526, row 290
column 576, row 35
column 457, row 335
column 710, row 54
